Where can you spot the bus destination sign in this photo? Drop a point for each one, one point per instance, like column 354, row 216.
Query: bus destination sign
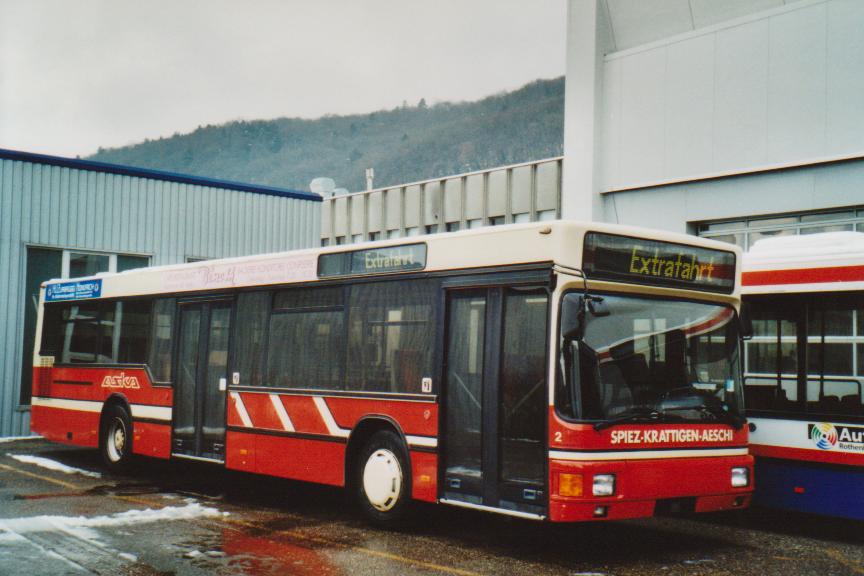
column 385, row 260
column 80, row 290
column 641, row 261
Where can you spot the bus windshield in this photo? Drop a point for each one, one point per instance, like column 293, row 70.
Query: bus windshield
column 644, row 360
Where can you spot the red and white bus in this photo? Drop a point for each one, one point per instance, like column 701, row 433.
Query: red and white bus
column 805, row 371
column 558, row 371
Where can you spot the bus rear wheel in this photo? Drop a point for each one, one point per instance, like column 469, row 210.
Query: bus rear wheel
column 115, row 438
column 382, row 479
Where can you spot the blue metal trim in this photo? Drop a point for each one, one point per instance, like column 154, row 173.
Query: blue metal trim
column 154, row 174
column 826, row 490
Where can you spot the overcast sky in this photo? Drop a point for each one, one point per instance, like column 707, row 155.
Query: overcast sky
column 79, row 74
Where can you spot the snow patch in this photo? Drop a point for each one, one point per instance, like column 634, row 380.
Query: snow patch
column 52, row 465
column 83, row 525
column 17, row 438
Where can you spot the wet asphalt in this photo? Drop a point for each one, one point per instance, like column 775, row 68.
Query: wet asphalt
column 251, row 525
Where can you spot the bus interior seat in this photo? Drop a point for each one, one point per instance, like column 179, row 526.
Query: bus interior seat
column 828, row 404
column 615, row 394
column 851, row 404
column 759, row 397
column 782, row 402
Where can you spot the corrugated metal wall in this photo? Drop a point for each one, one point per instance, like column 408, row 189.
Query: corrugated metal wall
column 518, row 193
column 64, row 207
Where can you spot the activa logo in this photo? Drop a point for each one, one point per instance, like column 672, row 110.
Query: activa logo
column 120, row 381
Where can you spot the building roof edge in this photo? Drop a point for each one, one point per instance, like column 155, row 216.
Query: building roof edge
column 93, row 166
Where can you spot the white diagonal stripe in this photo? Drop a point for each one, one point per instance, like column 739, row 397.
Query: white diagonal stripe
column 287, row 425
column 329, row 421
column 241, row 409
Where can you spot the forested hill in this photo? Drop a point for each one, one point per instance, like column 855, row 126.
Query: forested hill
column 414, row 142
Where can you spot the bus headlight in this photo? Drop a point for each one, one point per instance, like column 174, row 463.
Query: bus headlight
column 740, row 477
column 604, row 485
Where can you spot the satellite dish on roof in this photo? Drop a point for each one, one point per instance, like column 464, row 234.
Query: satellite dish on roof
column 322, row 186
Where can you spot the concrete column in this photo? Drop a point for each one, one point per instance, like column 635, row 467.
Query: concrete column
column 580, row 195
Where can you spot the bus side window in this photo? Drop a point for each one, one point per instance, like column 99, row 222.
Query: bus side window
column 253, row 309
column 161, row 337
column 771, row 371
column 134, row 324
column 391, row 335
column 53, row 328
column 833, row 330
column 81, row 333
column 306, row 344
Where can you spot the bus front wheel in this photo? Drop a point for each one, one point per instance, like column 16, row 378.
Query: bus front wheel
column 382, row 479
column 115, row 438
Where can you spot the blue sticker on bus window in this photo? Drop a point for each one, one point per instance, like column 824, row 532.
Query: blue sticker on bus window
column 80, row 290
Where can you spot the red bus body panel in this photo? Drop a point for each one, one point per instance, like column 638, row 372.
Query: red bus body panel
column 642, row 474
column 307, row 440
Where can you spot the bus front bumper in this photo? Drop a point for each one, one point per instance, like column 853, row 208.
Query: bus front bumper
column 644, row 488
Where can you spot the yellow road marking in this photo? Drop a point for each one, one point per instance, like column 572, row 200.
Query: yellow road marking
column 78, row 487
column 290, row 533
column 62, row 483
column 368, row 551
column 842, row 559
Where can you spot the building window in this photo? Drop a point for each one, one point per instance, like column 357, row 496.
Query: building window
column 127, row 262
column 340, row 240
column 393, row 234
column 452, row 226
column 413, row 231
column 192, row 259
column 431, row 228
column 373, row 236
column 325, row 242
column 357, row 238
column 86, row 264
column 496, row 221
column 748, row 231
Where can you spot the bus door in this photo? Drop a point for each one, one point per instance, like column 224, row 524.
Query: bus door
column 495, row 398
column 201, row 383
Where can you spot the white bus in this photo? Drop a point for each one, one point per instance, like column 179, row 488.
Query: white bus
column 805, row 371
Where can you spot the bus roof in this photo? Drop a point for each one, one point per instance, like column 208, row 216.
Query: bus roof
column 807, row 263
column 542, row 243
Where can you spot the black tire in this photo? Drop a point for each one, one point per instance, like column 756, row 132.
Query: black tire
column 115, row 438
column 382, row 480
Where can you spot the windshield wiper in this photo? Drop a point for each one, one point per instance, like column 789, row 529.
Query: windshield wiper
column 720, row 412
column 633, row 416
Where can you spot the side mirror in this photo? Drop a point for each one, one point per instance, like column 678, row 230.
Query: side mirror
column 745, row 319
column 572, row 316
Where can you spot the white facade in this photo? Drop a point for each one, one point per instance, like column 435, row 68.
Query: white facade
column 714, row 110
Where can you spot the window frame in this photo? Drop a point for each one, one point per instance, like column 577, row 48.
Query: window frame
column 803, row 306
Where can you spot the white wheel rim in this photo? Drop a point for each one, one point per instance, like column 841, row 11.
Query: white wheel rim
column 382, row 479
column 116, row 440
